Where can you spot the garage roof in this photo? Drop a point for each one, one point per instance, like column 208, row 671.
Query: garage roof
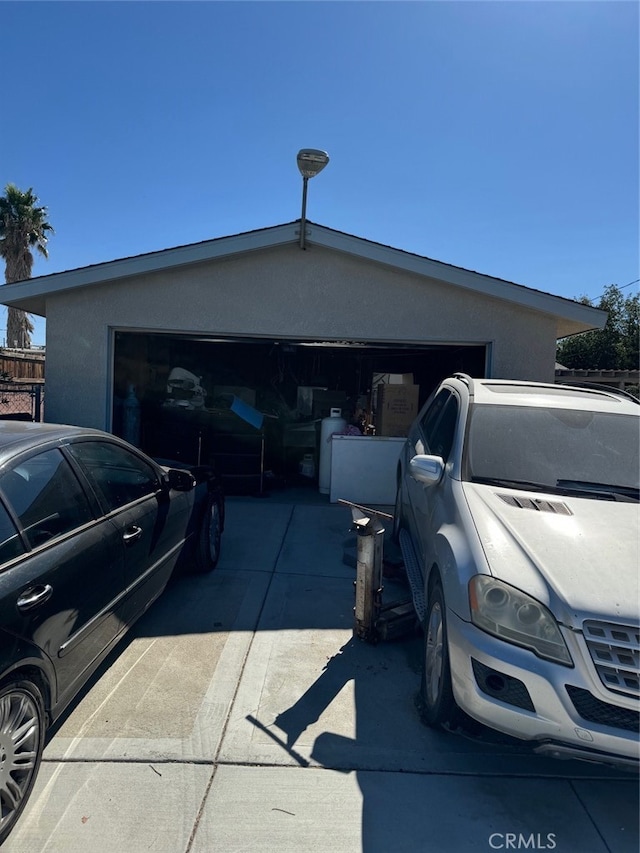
column 31, row 295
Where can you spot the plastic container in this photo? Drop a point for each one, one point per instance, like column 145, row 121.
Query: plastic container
column 308, row 466
column 131, row 417
column 334, row 423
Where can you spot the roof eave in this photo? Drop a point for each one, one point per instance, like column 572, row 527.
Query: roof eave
column 571, row 317
column 31, row 295
column 566, row 327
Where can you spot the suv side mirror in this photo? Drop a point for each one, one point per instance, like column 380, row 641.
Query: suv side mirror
column 179, row 480
column 427, row 469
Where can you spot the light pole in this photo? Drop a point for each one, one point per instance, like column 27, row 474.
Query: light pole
column 310, row 162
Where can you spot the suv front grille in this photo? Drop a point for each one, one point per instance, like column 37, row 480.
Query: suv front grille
column 596, row 711
column 615, row 651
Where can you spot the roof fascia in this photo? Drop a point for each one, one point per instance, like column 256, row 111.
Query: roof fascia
column 181, row 256
column 32, row 294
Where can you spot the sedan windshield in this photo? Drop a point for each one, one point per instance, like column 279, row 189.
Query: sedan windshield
column 558, row 449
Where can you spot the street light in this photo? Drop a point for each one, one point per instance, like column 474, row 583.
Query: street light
column 310, row 162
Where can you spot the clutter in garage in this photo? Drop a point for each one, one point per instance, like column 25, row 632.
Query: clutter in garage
column 256, row 409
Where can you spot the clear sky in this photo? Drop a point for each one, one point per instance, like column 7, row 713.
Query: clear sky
column 497, row 136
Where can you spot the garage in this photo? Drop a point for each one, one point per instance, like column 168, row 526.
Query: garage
column 237, row 349
column 198, row 397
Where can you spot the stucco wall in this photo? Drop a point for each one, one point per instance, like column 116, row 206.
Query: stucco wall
column 314, row 294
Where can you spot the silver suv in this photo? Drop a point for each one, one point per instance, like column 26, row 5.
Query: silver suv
column 517, row 513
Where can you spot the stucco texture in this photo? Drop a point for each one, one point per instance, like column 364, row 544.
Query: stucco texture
column 316, row 294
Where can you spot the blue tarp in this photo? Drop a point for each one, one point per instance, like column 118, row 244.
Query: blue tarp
column 247, row 413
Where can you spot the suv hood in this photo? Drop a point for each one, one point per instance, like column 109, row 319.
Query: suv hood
column 578, row 556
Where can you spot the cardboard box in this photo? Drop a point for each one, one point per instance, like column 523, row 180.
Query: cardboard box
column 305, row 398
column 397, row 409
column 392, row 379
column 388, row 379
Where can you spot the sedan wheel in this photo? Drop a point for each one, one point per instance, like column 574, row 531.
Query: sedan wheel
column 397, row 516
column 437, row 705
column 21, row 742
column 210, row 537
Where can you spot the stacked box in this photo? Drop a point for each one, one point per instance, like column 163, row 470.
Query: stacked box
column 397, row 409
column 392, row 379
column 388, row 379
column 305, row 398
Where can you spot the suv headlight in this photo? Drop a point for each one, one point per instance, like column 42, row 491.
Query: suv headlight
column 514, row 616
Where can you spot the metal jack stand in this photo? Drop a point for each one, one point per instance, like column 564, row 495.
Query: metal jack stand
column 372, row 621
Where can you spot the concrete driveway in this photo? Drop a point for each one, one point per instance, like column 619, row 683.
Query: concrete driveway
column 240, row 714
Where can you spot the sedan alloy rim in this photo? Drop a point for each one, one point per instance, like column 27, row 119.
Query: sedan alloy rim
column 396, row 513
column 19, row 739
column 214, row 532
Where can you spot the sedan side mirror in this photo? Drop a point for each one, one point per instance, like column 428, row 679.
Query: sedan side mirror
column 427, row 469
column 179, row 480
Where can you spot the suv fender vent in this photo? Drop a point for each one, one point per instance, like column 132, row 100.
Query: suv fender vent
column 557, row 507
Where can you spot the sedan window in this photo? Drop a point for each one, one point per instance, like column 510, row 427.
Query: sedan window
column 46, row 496
column 10, row 543
column 118, row 476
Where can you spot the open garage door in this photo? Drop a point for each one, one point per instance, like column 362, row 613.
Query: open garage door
column 255, row 407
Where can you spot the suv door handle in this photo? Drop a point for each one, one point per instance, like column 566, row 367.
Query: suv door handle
column 34, row 596
column 131, row 534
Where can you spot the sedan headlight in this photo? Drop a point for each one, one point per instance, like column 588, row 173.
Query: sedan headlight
column 516, row 617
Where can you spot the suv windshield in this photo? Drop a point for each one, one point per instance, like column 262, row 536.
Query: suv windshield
column 555, row 448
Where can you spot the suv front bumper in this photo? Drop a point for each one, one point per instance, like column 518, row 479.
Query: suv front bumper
column 510, row 689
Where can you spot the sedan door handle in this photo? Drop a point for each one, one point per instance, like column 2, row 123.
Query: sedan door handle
column 33, row 597
column 131, row 534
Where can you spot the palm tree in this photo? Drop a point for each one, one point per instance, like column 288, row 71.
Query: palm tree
column 23, row 226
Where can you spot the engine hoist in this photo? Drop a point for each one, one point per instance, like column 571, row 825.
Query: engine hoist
column 372, row 619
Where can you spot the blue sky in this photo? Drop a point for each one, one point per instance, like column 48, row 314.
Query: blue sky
column 497, row 136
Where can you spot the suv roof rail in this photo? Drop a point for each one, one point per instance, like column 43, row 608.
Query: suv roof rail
column 600, row 386
column 464, row 377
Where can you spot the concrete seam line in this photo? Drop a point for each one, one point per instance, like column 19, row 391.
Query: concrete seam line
column 250, row 646
column 235, row 693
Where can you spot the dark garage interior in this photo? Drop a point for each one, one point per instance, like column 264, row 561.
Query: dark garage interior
column 254, row 407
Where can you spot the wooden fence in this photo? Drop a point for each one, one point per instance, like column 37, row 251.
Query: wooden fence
column 22, row 364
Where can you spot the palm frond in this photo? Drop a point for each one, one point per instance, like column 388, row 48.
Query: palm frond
column 23, row 227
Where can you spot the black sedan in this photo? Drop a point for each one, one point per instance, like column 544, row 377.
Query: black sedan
column 91, row 530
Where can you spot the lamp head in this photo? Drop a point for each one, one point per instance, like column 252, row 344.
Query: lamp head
column 311, row 161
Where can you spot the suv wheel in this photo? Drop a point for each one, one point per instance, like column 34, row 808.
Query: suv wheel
column 436, row 702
